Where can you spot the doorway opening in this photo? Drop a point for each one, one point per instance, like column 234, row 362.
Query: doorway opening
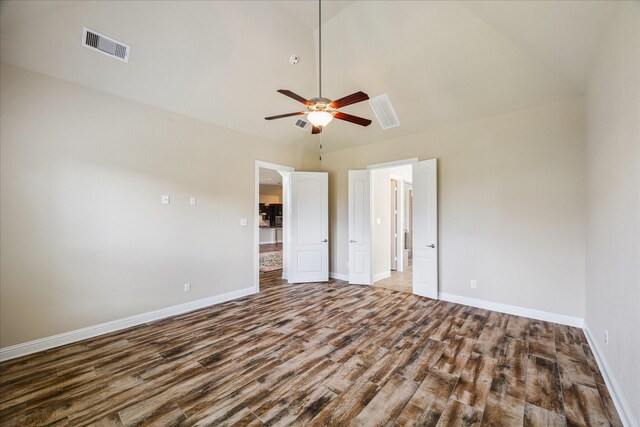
column 270, row 252
column 392, row 227
column 413, row 233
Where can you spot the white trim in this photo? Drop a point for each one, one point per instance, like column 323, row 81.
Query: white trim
column 46, row 343
column 394, row 163
column 619, row 401
column 513, row 309
column 381, row 276
column 274, row 166
column 256, row 225
column 339, row 276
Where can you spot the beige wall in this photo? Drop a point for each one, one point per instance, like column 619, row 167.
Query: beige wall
column 613, row 193
column 511, row 204
column 270, row 194
column 84, row 237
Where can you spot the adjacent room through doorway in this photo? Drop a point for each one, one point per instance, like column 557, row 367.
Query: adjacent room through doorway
column 392, row 227
column 270, row 223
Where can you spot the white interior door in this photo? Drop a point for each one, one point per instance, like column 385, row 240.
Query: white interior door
column 309, row 220
column 425, row 228
column 360, row 227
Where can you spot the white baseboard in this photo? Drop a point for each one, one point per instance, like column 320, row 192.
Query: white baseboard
column 115, row 325
column 515, row 310
column 339, row 276
column 612, row 385
column 381, row 276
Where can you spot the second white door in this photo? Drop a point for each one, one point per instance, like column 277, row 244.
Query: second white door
column 425, row 228
column 309, row 234
column 360, row 227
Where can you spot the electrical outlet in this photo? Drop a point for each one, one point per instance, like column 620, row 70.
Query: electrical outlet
column 193, row 201
column 187, row 287
column 474, row 284
column 606, row 337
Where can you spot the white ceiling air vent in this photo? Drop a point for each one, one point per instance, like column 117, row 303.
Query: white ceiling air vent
column 105, row 45
column 384, row 111
column 302, row 124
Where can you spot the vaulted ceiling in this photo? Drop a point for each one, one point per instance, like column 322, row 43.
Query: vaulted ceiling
column 440, row 62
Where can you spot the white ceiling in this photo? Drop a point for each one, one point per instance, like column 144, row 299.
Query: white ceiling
column 269, row 177
column 440, row 62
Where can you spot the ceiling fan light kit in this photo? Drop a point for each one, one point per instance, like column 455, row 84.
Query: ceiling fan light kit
column 321, row 111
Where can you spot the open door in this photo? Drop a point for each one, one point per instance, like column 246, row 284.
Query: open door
column 309, row 224
column 425, row 228
column 359, row 227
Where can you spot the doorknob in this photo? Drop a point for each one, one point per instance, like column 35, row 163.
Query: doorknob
column 431, row 246
column 325, row 241
column 352, row 241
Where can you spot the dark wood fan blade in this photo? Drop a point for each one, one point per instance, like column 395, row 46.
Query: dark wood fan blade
column 354, row 98
column 315, row 130
column 281, row 116
column 353, row 119
column 295, row 96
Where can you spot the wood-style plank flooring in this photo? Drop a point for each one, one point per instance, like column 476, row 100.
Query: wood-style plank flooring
column 316, row 354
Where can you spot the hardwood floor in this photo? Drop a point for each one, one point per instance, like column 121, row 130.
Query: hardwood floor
column 316, row 354
column 270, row 247
column 398, row 281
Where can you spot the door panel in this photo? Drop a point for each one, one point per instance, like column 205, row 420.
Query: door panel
column 309, row 217
column 360, row 227
column 425, row 229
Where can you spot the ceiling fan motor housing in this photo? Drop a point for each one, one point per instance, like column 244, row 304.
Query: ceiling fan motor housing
column 320, row 104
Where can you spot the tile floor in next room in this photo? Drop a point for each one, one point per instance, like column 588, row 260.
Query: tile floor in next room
column 316, row 354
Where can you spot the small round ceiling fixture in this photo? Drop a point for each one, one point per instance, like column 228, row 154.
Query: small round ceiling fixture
column 293, row 59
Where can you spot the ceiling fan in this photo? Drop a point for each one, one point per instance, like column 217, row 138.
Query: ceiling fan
column 320, row 111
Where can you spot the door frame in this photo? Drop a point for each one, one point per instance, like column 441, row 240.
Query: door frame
column 394, row 163
column 256, row 208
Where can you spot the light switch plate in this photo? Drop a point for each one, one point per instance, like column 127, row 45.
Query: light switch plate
column 244, row 222
column 165, row 199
